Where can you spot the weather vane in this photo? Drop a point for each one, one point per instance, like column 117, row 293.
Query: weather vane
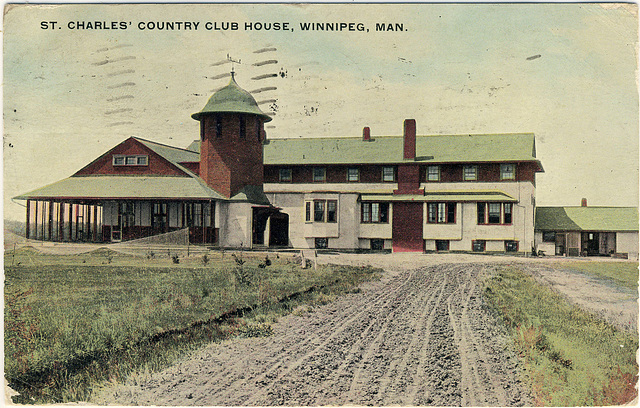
column 232, row 62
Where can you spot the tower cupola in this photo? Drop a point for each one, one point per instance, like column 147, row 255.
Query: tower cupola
column 231, row 99
column 231, row 140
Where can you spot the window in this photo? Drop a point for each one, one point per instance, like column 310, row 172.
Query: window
column 507, row 213
column 481, row 213
column 549, row 236
column 495, row 213
column 332, row 211
column 127, row 214
column 159, row 217
column 319, row 174
column 218, row 127
column 441, row 213
column 433, row 173
column 388, row 173
column 478, row 245
column 507, row 172
column 318, row 211
column 193, row 214
column 322, row 243
column 321, row 211
column 511, row 246
column 285, row 175
column 308, row 211
column 470, row 173
column 353, row 174
column 442, row 245
column 243, row 128
column 130, row 160
column 375, row 213
column 377, row 244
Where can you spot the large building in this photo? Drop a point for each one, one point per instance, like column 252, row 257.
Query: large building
column 233, row 187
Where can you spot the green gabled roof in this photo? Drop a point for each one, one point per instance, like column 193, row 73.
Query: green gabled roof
column 231, row 99
column 389, row 149
column 124, row 187
column 587, row 219
column 170, row 153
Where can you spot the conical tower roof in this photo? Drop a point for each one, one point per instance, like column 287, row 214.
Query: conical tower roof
column 231, row 99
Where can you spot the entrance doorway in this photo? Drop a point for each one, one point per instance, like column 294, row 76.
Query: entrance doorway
column 590, row 243
column 407, row 227
column 270, row 227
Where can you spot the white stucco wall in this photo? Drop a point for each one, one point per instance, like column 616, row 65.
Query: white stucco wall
column 549, row 248
column 349, row 233
column 627, row 242
column 234, row 224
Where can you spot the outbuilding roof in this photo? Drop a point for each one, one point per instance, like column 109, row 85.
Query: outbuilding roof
column 515, row 147
column 586, row 219
column 124, row 187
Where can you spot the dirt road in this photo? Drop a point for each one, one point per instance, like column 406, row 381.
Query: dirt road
column 417, row 337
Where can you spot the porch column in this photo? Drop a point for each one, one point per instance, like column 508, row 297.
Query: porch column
column 70, row 222
column 61, row 221
column 50, row 219
column 28, row 218
column 95, row 221
column 43, row 220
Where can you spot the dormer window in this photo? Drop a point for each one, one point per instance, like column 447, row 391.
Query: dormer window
column 130, row 160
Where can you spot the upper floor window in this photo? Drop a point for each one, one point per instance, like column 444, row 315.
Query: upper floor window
column 433, row 173
column 374, row 213
column 388, row 173
column 285, row 175
column 470, row 173
column 507, row 172
column 495, row 213
column 319, row 174
column 243, row 128
column 218, row 124
column 441, row 213
column 353, row 174
column 130, row 160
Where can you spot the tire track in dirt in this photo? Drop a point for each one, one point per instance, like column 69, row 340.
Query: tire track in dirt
column 395, row 376
column 420, row 337
column 283, row 366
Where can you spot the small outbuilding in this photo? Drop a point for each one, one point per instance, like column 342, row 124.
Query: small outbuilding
column 587, row 231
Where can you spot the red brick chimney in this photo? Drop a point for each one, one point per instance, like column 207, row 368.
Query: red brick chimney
column 366, row 134
column 584, row 202
column 409, row 139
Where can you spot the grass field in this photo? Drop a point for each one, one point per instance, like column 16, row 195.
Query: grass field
column 572, row 358
column 72, row 322
column 621, row 273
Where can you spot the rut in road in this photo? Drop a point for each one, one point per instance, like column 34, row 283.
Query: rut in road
column 420, row 337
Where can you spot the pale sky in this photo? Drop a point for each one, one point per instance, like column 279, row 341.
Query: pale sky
column 566, row 72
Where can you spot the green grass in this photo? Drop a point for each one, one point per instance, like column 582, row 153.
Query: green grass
column 621, row 273
column 72, row 322
column 572, row 358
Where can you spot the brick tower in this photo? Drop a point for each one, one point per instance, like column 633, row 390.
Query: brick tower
column 231, row 138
